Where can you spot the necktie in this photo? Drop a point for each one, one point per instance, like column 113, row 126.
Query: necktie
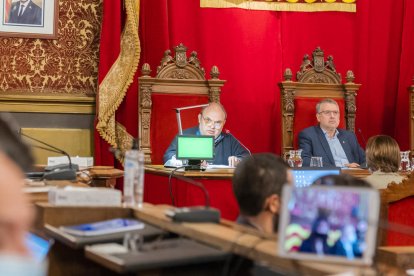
column 21, row 10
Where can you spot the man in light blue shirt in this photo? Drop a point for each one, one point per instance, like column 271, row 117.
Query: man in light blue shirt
column 337, row 147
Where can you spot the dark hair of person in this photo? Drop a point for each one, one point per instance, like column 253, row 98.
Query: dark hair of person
column 344, row 180
column 256, row 178
column 383, row 153
column 11, row 143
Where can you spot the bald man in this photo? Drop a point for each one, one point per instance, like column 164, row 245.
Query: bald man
column 227, row 149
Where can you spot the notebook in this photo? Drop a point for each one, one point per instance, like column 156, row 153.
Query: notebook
column 117, row 225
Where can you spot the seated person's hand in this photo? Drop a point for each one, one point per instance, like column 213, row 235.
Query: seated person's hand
column 233, row 161
column 352, row 165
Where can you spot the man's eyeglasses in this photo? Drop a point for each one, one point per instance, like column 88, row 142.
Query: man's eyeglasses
column 209, row 122
column 329, row 112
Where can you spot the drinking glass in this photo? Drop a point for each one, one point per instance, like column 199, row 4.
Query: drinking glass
column 405, row 161
column 291, row 159
column 316, row 161
column 298, row 158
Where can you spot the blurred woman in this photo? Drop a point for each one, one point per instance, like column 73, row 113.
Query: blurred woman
column 383, row 159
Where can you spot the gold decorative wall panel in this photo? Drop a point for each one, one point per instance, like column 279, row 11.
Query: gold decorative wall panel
column 76, row 142
column 66, row 66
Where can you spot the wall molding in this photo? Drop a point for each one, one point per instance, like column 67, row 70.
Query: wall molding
column 47, row 104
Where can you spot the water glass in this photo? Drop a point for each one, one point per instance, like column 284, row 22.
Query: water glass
column 405, row 161
column 316, row 161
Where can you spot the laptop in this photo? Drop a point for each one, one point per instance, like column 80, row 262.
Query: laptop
column 330, row 224
column 305, row 176
column 38, row 246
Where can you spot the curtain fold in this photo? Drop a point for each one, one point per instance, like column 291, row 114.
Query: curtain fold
column 119, row 58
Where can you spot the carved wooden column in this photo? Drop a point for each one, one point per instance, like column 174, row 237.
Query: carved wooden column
column 215, row 85
column 350, row 102
column 288, row 109
column 145, row 103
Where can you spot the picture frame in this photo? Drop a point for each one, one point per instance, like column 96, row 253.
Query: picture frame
column 29, row 18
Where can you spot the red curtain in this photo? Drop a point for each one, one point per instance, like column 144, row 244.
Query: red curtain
column 113, row 20
column 252, row 49
column 109, row 50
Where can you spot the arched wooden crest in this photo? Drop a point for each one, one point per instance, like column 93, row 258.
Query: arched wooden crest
column 177, row 73
column 317, row 78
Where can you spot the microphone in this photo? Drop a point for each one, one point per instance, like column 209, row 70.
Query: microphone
column 228, row 132
column 58, row 172
column 362, row 137
column 178, row 114
column 192, row 214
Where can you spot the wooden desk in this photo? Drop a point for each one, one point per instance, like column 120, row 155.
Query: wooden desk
column 253, row 246
column 216, row 181
column 104, row 176
column 70, row 260
column 225, row 236
column 399, row 256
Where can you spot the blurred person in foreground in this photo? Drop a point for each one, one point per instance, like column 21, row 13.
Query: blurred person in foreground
column 257, row 185
column 16, row 213
column 383, row 159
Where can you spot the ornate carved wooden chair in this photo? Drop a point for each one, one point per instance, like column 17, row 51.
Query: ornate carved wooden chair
column 316, row 79
column 179, row 82
column 397, row 207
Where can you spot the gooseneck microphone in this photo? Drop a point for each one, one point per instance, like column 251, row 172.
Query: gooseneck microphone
column 362, row 136
column 192, row 214
column 58, row 172
column 246, row 148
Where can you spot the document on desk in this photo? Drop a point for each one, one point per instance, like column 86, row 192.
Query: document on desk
column 104, row 227
column 219, row 167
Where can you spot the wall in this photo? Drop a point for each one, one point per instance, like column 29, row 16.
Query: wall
column 50, row 84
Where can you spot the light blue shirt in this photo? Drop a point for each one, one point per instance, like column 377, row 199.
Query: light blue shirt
column 337, row 151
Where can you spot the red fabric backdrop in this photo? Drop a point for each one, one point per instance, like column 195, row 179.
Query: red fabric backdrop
column 252, row 49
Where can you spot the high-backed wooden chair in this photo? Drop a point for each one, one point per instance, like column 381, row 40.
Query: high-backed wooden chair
column 397, row 207
column 316, row 79
column 179, row 82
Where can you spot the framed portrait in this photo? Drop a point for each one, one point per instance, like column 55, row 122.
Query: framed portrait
column 29, row 18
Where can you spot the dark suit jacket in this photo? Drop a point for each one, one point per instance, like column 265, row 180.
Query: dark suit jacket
column 32, row 14
column 312, row 141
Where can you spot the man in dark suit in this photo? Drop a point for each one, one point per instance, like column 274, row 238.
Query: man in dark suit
column 337, row 147
column 25, row 12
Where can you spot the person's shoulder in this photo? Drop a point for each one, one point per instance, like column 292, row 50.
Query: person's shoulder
column 34, row 5
column 309, row 130
column 346, row 132
column 191, row 130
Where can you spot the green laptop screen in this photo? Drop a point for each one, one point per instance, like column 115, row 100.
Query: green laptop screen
column 195, row 147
